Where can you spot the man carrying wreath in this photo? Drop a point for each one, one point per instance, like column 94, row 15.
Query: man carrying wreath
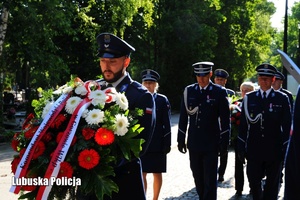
column 114, row 56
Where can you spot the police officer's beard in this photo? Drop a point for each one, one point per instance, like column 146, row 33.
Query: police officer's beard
column 116, row 77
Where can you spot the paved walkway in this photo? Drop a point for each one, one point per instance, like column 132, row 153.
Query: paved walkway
column 178, row 183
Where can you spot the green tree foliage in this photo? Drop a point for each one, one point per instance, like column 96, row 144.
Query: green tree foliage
column 47, row 41
column 244, row 38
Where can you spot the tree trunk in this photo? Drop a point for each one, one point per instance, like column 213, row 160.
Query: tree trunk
column 3, row 27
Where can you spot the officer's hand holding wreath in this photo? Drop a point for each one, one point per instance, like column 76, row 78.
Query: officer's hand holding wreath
column 182, row 147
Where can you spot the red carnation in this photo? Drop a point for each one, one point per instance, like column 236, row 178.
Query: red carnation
column 58, row 121
column 30, row 132
column 39, row 150
column 232, row 119
column 47, row 137
column 15, row 143
column 88, row 133
column 88, row 159
column 65, row 170
column 14, row 164
column 104, row 136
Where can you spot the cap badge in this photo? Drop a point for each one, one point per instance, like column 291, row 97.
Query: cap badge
column 107, row 38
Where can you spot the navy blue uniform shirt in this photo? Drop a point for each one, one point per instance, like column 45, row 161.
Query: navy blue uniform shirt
column 208, row 116
column 263, row 134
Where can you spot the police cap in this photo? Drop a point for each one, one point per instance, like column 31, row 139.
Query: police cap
column 279, row 75
column 150, row 75
column 221, row 73
column 111, row 46
column 202, row 68
column 266, row 69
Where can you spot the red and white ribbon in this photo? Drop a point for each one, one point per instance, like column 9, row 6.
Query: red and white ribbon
column 49, row 118
column 62, row 148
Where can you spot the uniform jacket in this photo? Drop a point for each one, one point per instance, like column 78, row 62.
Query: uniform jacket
column 162, row 133
column 267, row 136
column 208, row 117
column 290, row 95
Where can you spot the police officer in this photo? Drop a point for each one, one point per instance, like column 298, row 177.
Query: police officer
column 221, row 77
column 155, row 160
column 277, row 85
column 114, row 56
column 292, row 162
column 264, row 133
column 203, row 104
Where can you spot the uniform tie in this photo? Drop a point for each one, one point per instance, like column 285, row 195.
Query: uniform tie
column 109, row 85
column 264, row 95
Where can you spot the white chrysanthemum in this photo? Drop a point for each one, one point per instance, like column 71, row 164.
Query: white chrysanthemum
column 98, row 97
column 72, row 103
column 94, row 116
column 81, row 90
column 122, row 101
column 121, row 123
column 47, row 109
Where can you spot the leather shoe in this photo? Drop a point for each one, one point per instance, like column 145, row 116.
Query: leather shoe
column 238, row 193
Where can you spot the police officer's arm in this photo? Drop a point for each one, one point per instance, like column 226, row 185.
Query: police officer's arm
column 224, row 120
column 167, row 126
column 242, row 134
column 146, row 103
column 182, row 126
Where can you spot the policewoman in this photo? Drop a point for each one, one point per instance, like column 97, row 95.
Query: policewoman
column 155, row 159
column 114, row 56
column 221, row 76
column 264, row 133
column 203, row 104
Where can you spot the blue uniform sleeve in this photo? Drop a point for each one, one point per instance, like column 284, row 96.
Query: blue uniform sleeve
column 182, row 124
column 148, row 120
column 167, row 123
column 243, row 128
column 224, row 118
column 286, row 122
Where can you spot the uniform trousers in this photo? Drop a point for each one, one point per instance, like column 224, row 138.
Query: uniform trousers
column 256, row 169
column 204, row 166
column 238, row 170
column 223, row 163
